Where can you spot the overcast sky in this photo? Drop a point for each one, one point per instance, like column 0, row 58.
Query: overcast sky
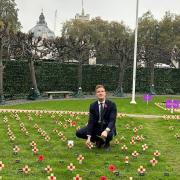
column 118, row 10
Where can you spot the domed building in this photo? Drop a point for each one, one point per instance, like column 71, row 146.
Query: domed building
column 41, row 29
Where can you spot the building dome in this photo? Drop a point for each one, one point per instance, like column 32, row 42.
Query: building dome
column 41, row 29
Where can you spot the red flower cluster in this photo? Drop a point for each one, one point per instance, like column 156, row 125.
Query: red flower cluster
column 40, row 157
column 103, row 178
column 112, row 167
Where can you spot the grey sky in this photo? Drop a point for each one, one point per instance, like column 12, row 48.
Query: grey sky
column 118, row 10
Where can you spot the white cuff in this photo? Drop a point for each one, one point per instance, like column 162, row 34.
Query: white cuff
column 107, row 129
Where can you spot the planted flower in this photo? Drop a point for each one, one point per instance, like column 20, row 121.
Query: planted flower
column 26, row 169
column 103, row 178
column 16, row 149
column 47, row 138
column 35, row 150
column 141, row 170
column 71, row 167
column 135, row 130
column 124, row 147
column 48, row 169
column 32, row 144
column 135, row 154
column 116, row 141
column 90, row 145
column 40, row 158
column 157, row 153
column 126, row 160
column 80, row 158
column 132, row 142
column 153, row 162
column 112, row 168
column 52, row 177
column 1, row 165
column 144, row 146
column 77, row 177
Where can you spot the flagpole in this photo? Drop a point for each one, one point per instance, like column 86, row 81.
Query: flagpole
column 135, row 56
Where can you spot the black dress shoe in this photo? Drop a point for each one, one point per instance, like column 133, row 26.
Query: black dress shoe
column 99, row 144
column 107, row 146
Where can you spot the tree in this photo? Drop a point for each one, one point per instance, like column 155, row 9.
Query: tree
column 110, row 40
column 79, row 50
column 97, row 29
column 170, row 35
column 122, row 50
column 148, row 40
column 58, row 48
column 8, row 23
column 79, row 45
column 157, row 39
column 25, row 46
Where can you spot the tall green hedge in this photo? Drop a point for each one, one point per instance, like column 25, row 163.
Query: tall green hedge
column 56, row 76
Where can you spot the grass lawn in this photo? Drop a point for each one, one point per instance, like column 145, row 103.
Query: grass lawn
column 158, row 135
column 123, row 105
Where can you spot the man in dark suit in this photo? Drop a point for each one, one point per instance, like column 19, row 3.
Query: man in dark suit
column 102, row 118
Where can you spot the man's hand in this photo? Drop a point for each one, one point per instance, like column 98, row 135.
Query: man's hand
column 104, row 134
column 88, row 141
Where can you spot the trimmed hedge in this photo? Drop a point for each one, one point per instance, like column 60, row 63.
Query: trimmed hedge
column 56, row 76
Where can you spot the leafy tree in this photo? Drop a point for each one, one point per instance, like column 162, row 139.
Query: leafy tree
column 149, row 42
column 25, row 46
column 8, row 23
column 58, row 48
column 122, row 51
column 79, row 45
column 157, row 40
column 110, row 40
column 120, row 46
column 170, row 35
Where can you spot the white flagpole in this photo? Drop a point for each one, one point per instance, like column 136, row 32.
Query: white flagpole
column 135, row 56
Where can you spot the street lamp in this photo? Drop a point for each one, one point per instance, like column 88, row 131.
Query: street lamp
column 152, row 89
column 135, row 56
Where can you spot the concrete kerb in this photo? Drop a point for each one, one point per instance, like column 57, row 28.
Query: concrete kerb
column 75, row 112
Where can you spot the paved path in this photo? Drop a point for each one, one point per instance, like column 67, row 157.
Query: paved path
column 144, row 115
column 75, row 112
column 22, row 101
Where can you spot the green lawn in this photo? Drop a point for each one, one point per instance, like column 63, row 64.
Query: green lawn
column 158, row 134
column 123, row 105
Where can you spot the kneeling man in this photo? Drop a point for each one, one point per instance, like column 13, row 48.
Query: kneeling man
column 102, row 118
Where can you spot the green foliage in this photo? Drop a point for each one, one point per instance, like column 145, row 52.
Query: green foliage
column 57, row 76
column 16, row 78
column 101, row 32
column 8, row 14
column 158, row 38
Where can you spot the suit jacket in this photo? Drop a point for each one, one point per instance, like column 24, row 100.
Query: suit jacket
column 109, row 117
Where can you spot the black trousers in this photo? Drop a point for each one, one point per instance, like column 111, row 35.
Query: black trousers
column 82, row 133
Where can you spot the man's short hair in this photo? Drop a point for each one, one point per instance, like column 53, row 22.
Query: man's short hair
column 99, row 86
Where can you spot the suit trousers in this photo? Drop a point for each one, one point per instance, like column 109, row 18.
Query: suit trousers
column 82, row 133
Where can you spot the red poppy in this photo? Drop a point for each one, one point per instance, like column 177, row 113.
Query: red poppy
column 40, row 157
column 103, row 178
column 73, row 123
column 112, row 167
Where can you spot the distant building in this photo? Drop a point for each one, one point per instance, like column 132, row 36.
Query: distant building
column 82, row 16
column 41, row 29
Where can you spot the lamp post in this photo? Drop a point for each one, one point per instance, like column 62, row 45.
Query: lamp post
column 152, row 89
column 135, row 56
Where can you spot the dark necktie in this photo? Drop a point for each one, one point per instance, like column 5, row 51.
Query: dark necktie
column 101, row 113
